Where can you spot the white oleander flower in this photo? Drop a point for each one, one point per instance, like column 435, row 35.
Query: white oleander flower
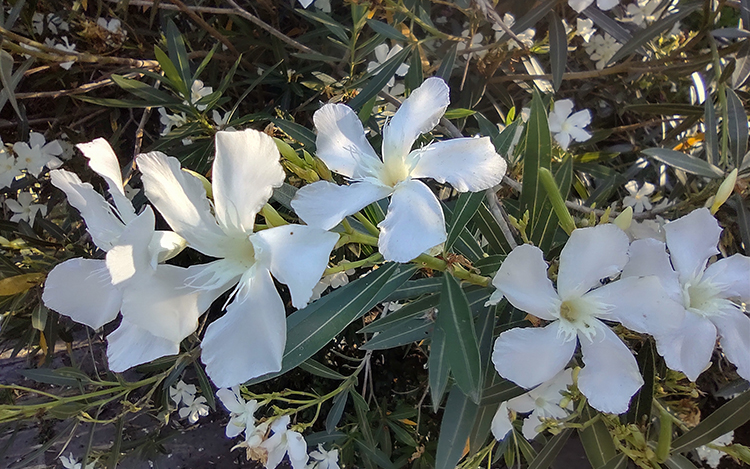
column 194, row 409
column 638, row 196
column 248, row 341
column 709, row 296
column 530, row 356
column 83, row 289
column 585, row 28
column 580, row 5
column 37, row 154
column 476, row 41
column 182, row 392
column 64, row 46
column 9, row 168
column 543, row 402
column 241, row 412
column 55, row 24
column 171, row 120
column 415, row 221
column 282, row 442
column 526, row 37
column 112, row 25
column 643, row 12
column 602, row 48
column 711, row 456
column 567, row 126
column 322, row 459
column 197, row 91
column 383, row 54
column 24, row 208
column 71, row 462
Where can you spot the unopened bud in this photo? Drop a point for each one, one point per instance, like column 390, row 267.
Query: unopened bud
column 624, row 219
column 725, row 190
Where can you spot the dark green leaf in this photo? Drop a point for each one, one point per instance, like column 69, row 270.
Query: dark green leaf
column 146, row 92
column 415, row 288
column 711, row 139
column 640, row 406
column 337, row 410
column 465, row 208
column 685, row 162
column 376, row 83
column 609, row 25
column 458, row 113
column 339, row 30
column 665, row 109
column 537, row 154
column 173, row 77
column 558, row 48
column 743, row 220
column 489, row 265
column 207, row 390
column 379, row 457
column 298, row 132
column 596, row 439
column 446, row 65
column 318, row 369
column 678, row 461
column 547, row 455
column 400, row 334
column 726, row 418
column 178, row 54
column 501, row 392
column 438, row 368
column 414, row 77
column 737, row 120
column 461, row 346
column 406, row 313
column 618, row 462
column 458, row 420
column 386, row 30
column 61, row 377
column 489, row 228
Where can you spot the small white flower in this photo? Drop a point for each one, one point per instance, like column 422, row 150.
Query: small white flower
column 66, row 47
column 241, row 418
column 197, row 91
column 24, row 209
column 585, row 28
column 580, row 5
column 36, row 154
column 196, row 409
column 114, row 26
column 221, row 121
column 171, row 120
column 476, row 41
column 284, row 441
column 566, row 127
column 70, row 462
column 322, row 459
column 643, row 12
column 335, row 280
column 601, row 49
column 383, row 54
column 9, row 169
column 526, row 37
column 182, row 392
column 54, row 23
column 638, row 198
column 713, row 456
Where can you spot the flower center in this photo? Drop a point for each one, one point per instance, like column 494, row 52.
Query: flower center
column 578, row 315
column 702, row 297
column 394, row 171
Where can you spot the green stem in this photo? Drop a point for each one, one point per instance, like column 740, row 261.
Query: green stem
column 344, row 266
column 367, row 223
column 665, row 435
column 438, row 264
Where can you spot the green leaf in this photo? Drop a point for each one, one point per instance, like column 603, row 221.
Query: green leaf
column 174, row 79
column 726, row 418
column 678, row 461
column 413, row 289
column 596, row 440
column 153, row 96
column 406, row 313
column 737, row 120
column 338, row 30
column 446, row 65
column 298, row 132
column 458, row 420
column 318, row 369
column 618, row 462
column 67, row 376
column 178, row 54
column 685, row 162
column 655, row 29
column 489, row 228
column 415, row 76
column 558, row 48
column 465, row 208
column 537, row 154
column 6, row 77
column 379, row 457
column 386, row 30
column 376, row 83
column 438, row 368
column 640, row 406
column 743, row 220
column 337, row 410
column 666, row 109
column 400, row 334
column 711, row 136
column 543, row 233
column 609, row 25
column 458, row 113
column 455, row 320
column 501, row 392
column 490, row 264
column 547, row 455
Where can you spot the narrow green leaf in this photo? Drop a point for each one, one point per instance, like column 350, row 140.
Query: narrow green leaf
column 153, row 96
column 555, row 198
column 543, row 233
column 415, row 76
column 558, row 48
column 379, row 457
column 618, row 462
column 666, row 109
column 338, row 30
column 446, row 65
column 610, row 26
column 490, row 264
column 685, row 162
column 652, row 31
column 537, row 154
column 547, row 455
column 678, row 461
column 298, row 132
column 414, row 288
column 173, row 77
column 726, row 418
column 711, row 136
column 72, row 377
column 337, row 410
column 206, row 60
column 400, row 334
column 207, row 390
column 455, row 319
column 737, row 120
column 458, row 113
column 376, row 83
column 318, row 369
column 6, row 77
column 465, row 208
column 640, row 406
column 438, row 368
column 386, row 30
column 596, row 440
column 487, row 225
column 178, row 53
column 743, row 220
column 502, row 391
column 458, row 420
column 406, row 313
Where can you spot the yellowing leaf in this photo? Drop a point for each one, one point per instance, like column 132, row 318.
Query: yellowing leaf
column 19, row 284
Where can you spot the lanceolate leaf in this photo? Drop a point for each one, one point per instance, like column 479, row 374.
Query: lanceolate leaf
column 558, row 48
column 458, row 420
column 678, row 461
column 618, row 462
column 737, row 119
column 386, row 30
column 596, row 440
column 446, row 65
column 711, row 140
column 537, row 154
column 298, row 132
column 455, row 320
column 685, row 162
column 728, row 417
column 438, row 368
column 178, row 54
column 489, row 228
column 640, row 405
column 547, row 455
column 376, row 83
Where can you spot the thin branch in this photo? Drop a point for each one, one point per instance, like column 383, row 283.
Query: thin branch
column 202, row 23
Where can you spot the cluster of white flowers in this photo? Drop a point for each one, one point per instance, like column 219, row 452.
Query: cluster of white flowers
column 383, row 54
column 322, row 5
column 526, row 37
column 601, row 48
column 191, row 407
column 268, row 441
column 684, row 308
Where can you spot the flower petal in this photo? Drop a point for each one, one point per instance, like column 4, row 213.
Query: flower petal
column 103, row 160
column 501, row 424
column 101, row 222
column 522, row 278
column 732, row 275
column 245, row 171
column 611, row 375
column 691, row 240
column 130, row 345
column 324, row 204
column 467, row 164
column 131, row 255
column 248, row 341
column 182, row 201
column 649, row 257
column 590, row 255
column 81, row 289
column 296, row 255
column 414, row 223
column 418, row 114
column 640, row 304
column 532, row 355
column 734, row 332
column 690, row 348
column 341, row 142
column 580, row 119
